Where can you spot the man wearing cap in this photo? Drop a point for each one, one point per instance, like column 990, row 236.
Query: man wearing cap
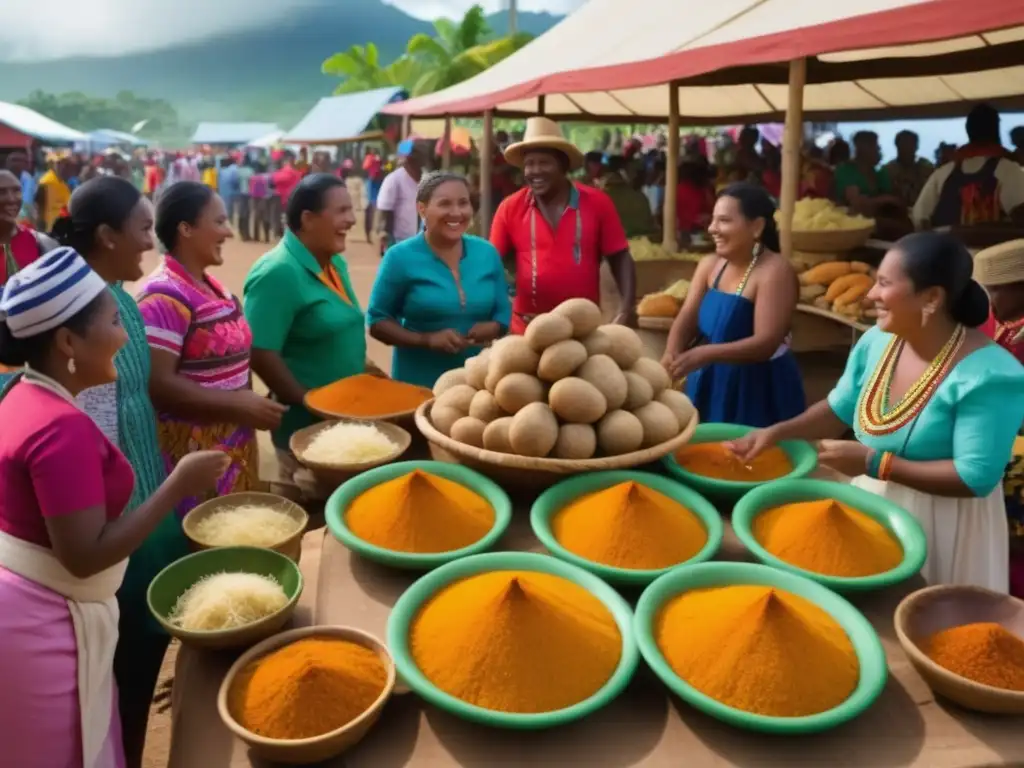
column 397, row 198
column 556, row 233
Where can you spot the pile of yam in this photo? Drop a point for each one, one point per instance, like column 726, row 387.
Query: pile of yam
column 841, row 287
column 569, row 388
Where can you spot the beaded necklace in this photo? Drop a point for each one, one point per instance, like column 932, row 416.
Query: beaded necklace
column 874, row 414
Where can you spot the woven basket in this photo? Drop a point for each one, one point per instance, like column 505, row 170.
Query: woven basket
column 330, row 476
column 290, row 547
column 525, row 472
column 831, row 240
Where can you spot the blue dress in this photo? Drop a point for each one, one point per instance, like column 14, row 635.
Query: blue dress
column 419, row 291
column 754, row 394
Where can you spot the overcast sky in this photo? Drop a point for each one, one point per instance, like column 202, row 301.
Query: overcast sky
column 38, row 29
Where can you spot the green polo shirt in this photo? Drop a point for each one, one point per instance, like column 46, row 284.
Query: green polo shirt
column 293, row 312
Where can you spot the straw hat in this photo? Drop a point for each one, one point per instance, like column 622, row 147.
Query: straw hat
column 542, row 133
column 1001, row 264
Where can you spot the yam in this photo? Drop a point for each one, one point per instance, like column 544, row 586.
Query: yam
column 517, row 390
column 469, row 431
column 534, row 431
column 476, row 369
column 626, row 347
column 822, row 303
column 658, row 305
column 561, row 360
column 654, row 372
column 809, row 293
column 460, row 397
column 547, row 329
column 577, row 401
column 496, row 435
column 598, row 343
column 860, row 266
column 485, row 407
column 839, row 286
column 449, row 379
column 605, row 374
column 585, row 316
column 680, row 405
column 513, row 355
column 638, row 391
column 659, row 423
column 575, row 441
column 619, row 432
column 824, row 274
column 443, row 417
column 855, row 291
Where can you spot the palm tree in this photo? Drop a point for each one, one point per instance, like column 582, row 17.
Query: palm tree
column 361, row 70
column 457, row 52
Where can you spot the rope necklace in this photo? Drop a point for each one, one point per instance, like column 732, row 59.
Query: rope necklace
column 874, row 414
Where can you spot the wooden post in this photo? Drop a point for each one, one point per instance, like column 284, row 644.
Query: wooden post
column 542, row 103
column 406, row 122
column 486, row 169
column 669, row 237
column 446, row 149
column 792, row 144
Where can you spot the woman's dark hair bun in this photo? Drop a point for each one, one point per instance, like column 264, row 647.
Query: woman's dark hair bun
column 972, row 307
column 63, row 229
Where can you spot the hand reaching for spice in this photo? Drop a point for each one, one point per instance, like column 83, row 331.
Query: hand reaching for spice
column 448, row 341
column 846, row 456
column 751, row 445
column 259, row 412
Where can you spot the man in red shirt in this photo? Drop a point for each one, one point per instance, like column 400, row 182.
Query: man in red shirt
column 556, row 233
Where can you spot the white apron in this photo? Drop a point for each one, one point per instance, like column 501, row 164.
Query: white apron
column 968, row 539
column 92, row 604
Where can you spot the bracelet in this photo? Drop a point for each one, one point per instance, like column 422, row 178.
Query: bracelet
column 885, row 466
column 872, row 462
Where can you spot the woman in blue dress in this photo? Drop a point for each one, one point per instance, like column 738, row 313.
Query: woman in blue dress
column 935, row 407
column 730, row 340
column 442, row 295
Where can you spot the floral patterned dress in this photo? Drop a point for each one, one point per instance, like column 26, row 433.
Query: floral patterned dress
column 202, row 324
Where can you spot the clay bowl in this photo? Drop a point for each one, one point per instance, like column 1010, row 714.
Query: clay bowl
column 291, row 546
column 933, row 609
column 331, row 476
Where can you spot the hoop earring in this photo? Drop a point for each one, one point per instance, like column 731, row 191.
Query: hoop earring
column 71, row 366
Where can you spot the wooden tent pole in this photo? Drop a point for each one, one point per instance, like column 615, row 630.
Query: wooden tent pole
column 446, row 148
column 406, row 123
column 792, row 146
column 670, row 239
column 486, row 170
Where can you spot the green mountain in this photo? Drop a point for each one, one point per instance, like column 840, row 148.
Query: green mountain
column 264, row 74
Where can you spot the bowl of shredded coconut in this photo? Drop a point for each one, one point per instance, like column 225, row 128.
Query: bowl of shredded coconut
column 247, row 519
column 229, row 597
column 336, row 451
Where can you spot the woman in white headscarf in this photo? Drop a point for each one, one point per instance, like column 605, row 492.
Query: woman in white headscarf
column 64, row 543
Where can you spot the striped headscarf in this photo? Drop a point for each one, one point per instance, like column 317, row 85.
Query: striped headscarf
column 48, row 293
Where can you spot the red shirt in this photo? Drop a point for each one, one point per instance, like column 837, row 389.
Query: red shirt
column 693, row 207
column 285, row 182
column 372, row 166
column 24, row 250
column 560, row 264
column 1004, row 335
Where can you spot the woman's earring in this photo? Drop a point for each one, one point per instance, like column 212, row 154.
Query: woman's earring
column 925, row 315
column 71, row 366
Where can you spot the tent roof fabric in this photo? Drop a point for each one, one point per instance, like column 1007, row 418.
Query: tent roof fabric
column 231, row 133
column 116, row 137
column 31, row 123
column 340, row 118
column 900, row 57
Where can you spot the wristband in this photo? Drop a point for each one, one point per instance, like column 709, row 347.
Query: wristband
column 885, row 466
column 874, row 459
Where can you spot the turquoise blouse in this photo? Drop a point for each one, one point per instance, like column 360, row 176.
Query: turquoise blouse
column 972, row 418
column 418, row 290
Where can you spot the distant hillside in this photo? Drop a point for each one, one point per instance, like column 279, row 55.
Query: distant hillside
column 266, row 74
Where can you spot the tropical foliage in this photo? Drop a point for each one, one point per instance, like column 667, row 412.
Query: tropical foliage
column 122, row 112
column 455, row 52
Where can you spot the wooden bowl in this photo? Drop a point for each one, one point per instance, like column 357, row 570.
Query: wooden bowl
column 172, row 582
column 526, row 472
column 404, row 418
column 316, row 748
column 831, row 240
column 292, row 546
column 331, row 476
column 933, row 609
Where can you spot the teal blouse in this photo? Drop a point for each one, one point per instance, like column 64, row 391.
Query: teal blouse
column 972, row 418
column 418, row 290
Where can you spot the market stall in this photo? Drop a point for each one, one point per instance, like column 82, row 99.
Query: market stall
column 645, row 726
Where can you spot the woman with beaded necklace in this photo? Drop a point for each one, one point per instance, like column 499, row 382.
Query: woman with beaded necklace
column 934, row 406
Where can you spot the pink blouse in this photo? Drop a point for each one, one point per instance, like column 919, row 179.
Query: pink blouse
column 54, row 461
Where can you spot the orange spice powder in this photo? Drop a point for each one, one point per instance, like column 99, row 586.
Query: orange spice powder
column 985, row 652
column 716, row 461
column 366, row 395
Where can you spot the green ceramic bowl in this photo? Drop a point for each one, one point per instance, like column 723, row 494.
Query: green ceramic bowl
column 408, row 606
column 897, row 521
column 873, row 670
column 549, row 503
column 801, row 453
column 176, row 578
column 340, row 500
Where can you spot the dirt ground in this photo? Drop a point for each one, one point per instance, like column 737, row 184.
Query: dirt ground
column 239, row 256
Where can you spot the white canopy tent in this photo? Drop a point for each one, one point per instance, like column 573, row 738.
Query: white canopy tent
column 865, row 57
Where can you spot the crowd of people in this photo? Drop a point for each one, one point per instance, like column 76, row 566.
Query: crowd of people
column 118, row 411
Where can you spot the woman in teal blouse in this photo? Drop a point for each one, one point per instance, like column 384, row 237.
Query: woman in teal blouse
column 441, row 295
column 934, row 406
column 307, row 328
